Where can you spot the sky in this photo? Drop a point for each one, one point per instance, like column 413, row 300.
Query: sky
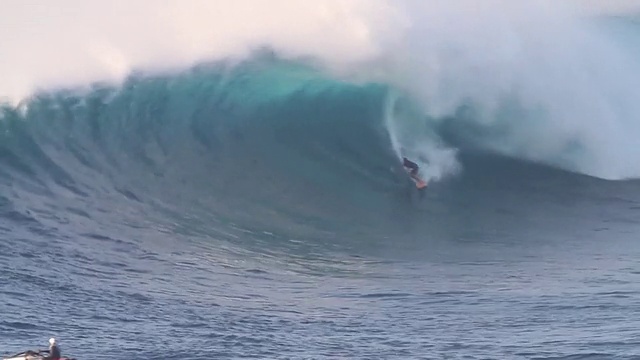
column 69, row 42
column 614, row 6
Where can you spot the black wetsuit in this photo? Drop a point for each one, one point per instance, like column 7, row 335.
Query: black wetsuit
column 410, row 165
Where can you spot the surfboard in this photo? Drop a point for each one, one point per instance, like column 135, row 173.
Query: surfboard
column 420, row 184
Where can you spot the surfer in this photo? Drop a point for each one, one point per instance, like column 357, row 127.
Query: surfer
column 412, row 168
column 53, row 353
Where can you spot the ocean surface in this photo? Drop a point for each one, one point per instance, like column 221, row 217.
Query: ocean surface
column 258, row 210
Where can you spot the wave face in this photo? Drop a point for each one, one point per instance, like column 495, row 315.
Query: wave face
column 263, row 141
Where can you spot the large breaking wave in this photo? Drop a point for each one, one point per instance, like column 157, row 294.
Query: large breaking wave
column 268, row 138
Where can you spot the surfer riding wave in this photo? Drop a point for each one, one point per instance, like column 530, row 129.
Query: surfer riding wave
column 412, row 168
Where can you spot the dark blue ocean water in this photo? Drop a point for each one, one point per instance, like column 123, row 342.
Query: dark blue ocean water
column 258, row 212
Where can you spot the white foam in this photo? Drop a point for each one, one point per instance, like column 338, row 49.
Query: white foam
column 574, row 85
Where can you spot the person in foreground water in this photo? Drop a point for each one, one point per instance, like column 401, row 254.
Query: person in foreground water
column 54, row 350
